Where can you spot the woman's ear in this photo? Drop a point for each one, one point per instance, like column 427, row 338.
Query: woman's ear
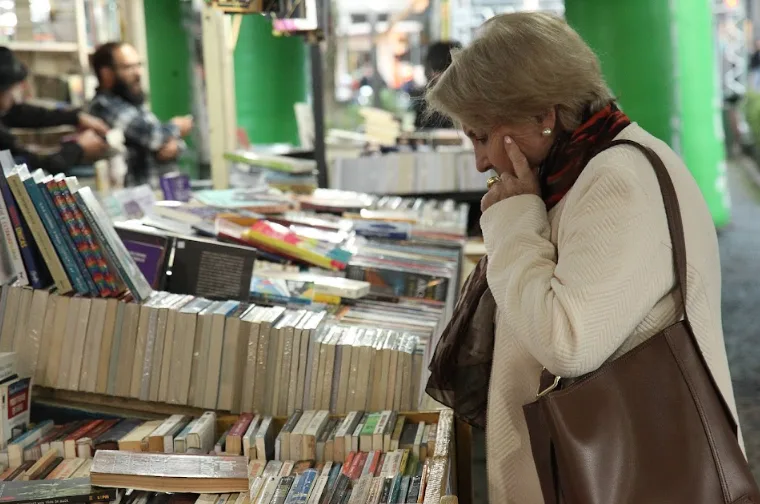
column 548, row 120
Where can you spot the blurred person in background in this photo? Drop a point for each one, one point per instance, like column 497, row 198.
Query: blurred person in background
column 89, row 145
column 754, row 67
column 579, row 266
column 437, row 60
column 120, row 102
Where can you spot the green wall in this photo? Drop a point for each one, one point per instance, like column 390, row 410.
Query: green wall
column 168, row 59
column 270, row 77
column 658, row 58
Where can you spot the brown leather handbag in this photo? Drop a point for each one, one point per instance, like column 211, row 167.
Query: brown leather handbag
column 650, row 427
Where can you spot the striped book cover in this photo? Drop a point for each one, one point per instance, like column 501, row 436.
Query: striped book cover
column 68, row 242
column 82, row 236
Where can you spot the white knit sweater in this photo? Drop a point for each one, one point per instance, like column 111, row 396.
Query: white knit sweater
column 585, row 283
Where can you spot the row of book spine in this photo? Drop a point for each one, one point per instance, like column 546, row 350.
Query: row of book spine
column 56, row 232
column 217, row 355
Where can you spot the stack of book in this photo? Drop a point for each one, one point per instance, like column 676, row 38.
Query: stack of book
column 445, row 170
column 56, row 232
column 279, row 172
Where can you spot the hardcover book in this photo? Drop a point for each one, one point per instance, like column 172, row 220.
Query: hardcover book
column 151, row 251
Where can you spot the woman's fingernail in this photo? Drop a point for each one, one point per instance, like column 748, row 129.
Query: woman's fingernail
column 507, row 140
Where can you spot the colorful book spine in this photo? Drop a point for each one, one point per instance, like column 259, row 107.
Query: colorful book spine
column 67, row 251
column 82, row 235
column 34, row 219
column 281, row 239
column 37, row 271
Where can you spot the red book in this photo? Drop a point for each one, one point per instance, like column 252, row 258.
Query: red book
column 357, row 466
column 241, row 425
column 375, row 467
column 70, row 443
column 347, row 464
column 98, row 431
column 379, row 466
column 234, row 441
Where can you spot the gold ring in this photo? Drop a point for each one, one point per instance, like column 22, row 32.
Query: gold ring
column 492, row 180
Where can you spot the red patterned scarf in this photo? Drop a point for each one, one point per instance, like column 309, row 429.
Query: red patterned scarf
column 461, row 365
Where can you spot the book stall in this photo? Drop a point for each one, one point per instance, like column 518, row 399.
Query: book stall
column 266, row 343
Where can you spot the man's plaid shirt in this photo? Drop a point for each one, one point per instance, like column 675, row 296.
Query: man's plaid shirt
column 145, row 134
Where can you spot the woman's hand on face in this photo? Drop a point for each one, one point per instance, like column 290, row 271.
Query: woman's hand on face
column 524, row 181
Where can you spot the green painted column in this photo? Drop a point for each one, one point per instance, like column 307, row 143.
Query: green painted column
column 169, row 69
column 701, row 121
column 658, row 58
column 270, row 77
column 168, row 59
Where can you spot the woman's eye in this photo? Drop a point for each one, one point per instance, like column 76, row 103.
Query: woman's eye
column 482, row 140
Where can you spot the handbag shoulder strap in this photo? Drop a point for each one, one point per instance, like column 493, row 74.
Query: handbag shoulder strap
column 548, row 381
column 678, row 240
column 672, row 212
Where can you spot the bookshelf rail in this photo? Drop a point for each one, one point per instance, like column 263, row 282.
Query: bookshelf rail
column 127, row 407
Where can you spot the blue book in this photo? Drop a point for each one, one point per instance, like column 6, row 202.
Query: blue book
column 299, row 492
column 69, row 242
column 386, row 230
column 36, row 269
column 53, row 231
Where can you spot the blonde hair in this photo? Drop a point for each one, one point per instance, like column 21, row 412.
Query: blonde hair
column 517, row 68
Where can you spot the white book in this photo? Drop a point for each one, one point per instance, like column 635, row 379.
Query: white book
column 175, row 431
column 268, row 490
column 264, row 439
column 168, row 425
column 249, row 438
column 287, row 468
column 7, row 365
column 296, row 437
column 201, row 436
column 77, row 352
column 313, row 429
column 391, row 464
column 17, row 392
column 180, row 442
column 319, row 487
column 213, row 354
column 11, row 262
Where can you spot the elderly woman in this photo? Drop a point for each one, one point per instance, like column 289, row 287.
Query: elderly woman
column 578, row 252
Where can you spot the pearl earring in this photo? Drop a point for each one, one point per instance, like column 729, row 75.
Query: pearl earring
column 547, row 132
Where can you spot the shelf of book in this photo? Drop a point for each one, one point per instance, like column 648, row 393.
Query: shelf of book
column 127, row 407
